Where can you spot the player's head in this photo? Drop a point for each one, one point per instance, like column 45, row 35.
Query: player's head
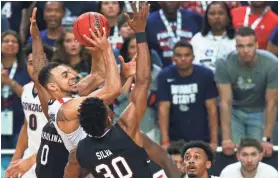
column 249, row 153
column 28, row 53
column 54, row 11
column 246, row 44
column 197, row 158
column 183, row 55
column 170, row 8
column 58, row 80
column 174, row 150
column 218, row 18
column 95, row 117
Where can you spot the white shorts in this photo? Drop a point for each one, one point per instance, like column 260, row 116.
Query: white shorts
column 30, row 173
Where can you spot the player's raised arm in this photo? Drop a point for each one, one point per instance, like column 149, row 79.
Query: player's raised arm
column 133, row 115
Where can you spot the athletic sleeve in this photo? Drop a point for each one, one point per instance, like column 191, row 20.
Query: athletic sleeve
column 221, row 74
column 163, row 88
column 211, row 91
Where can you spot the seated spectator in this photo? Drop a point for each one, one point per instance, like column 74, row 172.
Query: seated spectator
column 198, row 158
column 186, row 96
column 53, row 14
column 149, row 122
column 168, row 26
column 13, row 76
column 68, row 51
column 259, row 17
column 216, row 39
column 175, row 150
column 249, row 156
column 111, row 10
column 247, row 82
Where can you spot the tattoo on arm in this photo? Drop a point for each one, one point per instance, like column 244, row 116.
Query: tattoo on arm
column 40, row 61
column 61, row 116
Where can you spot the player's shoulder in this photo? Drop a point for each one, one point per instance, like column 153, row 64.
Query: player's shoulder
column 267, row 168
column 231, row 168
column 203, row 71
column 167, row 70
column 28, row 86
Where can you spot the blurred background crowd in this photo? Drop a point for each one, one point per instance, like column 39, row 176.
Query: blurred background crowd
column 182, row 105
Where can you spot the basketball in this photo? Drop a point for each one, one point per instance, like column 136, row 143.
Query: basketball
column 88, row 20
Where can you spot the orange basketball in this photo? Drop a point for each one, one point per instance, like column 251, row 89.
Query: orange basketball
column 88, row 20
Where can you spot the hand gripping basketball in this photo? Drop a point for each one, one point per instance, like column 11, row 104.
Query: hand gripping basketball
column 97, row 42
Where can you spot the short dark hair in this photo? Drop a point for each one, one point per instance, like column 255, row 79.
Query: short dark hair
column 202, row 145
column 121, row 4
column 245, row 31
column 44, row 74
column 175, row 147
column 184, row 44
column 230, row 30
column 47, row 49
column 249, row 142
column 93, row 116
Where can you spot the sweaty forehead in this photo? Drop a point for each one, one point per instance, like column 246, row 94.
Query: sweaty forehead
column 59, row 70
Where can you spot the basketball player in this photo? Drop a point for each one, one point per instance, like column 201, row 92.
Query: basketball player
column 198, row 158
column 122, row 150
column 29, row 139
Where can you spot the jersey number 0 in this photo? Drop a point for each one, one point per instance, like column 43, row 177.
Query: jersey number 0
column 114, row 163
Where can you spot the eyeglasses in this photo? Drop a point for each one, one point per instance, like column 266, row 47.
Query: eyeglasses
column 10, row 41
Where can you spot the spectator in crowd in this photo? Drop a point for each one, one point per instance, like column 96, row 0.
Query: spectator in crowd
column 18, row 13
column 272, row 46
column 111, row 10
column 175, row 151
column 13, row 76
column 247, row 82
column 202, row 6
column 187, row 100
column 249, row 155
column 259, row 17
column 72, row 12
column 54, row 11
column 216, row 38
column 4, row 24
column 198, row 158
column 149, row 122
column 69, row 52
column 170, row 25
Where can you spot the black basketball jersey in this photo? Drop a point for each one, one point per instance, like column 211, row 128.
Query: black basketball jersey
column 52, row 156
column 113, row 155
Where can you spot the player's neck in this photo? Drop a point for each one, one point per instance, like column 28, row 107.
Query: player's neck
column 171, row 16
column 185, row 72
column 112, row 21
column 7, row 61
column 74, row 60
column 257, row 10
column 35, row 89
column 54, row 33
column 248, row 174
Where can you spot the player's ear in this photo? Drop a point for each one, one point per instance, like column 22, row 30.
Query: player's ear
column 208, row 164
column 51, row 86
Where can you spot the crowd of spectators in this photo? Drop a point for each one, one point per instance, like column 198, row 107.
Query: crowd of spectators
column 214, row 67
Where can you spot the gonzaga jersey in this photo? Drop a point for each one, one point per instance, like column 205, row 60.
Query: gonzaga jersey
column 113, row 155
column 70, row 140
column 52, row 156
column 34, row 116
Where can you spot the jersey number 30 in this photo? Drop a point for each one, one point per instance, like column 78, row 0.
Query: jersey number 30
column 114, row 163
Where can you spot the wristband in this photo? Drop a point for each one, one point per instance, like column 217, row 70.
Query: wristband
column 266, row 139
column 140, row 37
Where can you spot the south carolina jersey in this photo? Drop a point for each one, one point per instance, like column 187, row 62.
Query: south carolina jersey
column 35, row 118
column 113, row 155
column 70, row 140
column 52, row 156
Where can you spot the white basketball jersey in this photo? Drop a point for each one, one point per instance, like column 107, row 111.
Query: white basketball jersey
column 70, row 140
column 34, row 116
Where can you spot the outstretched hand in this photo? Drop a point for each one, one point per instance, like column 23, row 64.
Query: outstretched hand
column 97, row 42
column 139, row 21
column 128, row 69
column 34, row 30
